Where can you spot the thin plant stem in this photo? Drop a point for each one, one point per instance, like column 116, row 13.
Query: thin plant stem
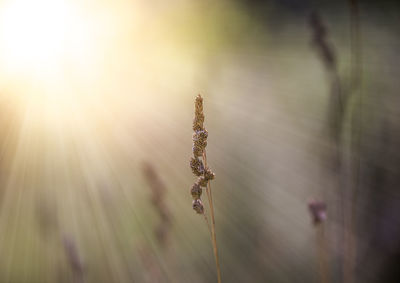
column 322, row 256
column 208, row 223
column 205, row 164
column 356, row 85
column 213, row 234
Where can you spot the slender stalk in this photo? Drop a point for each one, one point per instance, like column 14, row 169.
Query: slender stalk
column 318, row 212
column 336, row 116
column 204, row 174
column 208, row 223
column 205, row 163
column 322, row 246
column 213, row 234
column 357, row 128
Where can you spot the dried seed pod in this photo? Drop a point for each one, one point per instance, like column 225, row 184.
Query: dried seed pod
column 197, row 166
column 196, row 191
column 209, row 175
column 200, row 140
column 200, row 136
column 198, row 123
column 198, row 206
column 197, row 151
column 198, row 104
column 202, row 181
column 198, row 114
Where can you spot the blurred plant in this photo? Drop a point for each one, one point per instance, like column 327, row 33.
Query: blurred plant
column 318, row 215
column 318, row 211
column 356, row 137
column 338, row 107
column 46, row 216
column 327, row 55
column 336, row 116
column 158, row 190
column 161, row 231
column 204, row 173
column 150, row 264
column 74, row 260
column 320, row 41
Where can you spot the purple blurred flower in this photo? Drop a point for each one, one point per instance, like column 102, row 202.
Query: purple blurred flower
column 318, row 211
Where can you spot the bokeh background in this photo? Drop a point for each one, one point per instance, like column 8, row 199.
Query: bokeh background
column 96, row 107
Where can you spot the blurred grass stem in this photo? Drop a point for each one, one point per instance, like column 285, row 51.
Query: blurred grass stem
column 357, row 117
column 322, row 255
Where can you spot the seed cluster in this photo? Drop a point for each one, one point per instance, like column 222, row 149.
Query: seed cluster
column 203, row 173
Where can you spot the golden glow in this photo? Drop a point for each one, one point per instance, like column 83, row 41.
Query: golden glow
column 51, row 54
column 41, row 42
column 38, row 35
column 79, row 58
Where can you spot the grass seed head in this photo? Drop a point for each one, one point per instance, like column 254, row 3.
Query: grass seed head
column 202, row 181
column 198, row 206
column 197, row 151
column 209, row 175
column 199, row 142
column 198, row 114
column 196, row 191
column 199, row 138
column 197, row 166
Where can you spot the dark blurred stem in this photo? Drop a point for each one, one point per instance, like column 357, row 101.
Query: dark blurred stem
column 213, row 234
column 322, row 255
column 357, row 127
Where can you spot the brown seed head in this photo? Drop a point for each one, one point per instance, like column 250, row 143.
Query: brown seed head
column 209, row 175
column 200, row 135
column 197, row 166
column 202, row 181
column 196, row 191
column 198, row 114
column 197, row 151
column 199, row 142
column 200, row 139
column 198, row 206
